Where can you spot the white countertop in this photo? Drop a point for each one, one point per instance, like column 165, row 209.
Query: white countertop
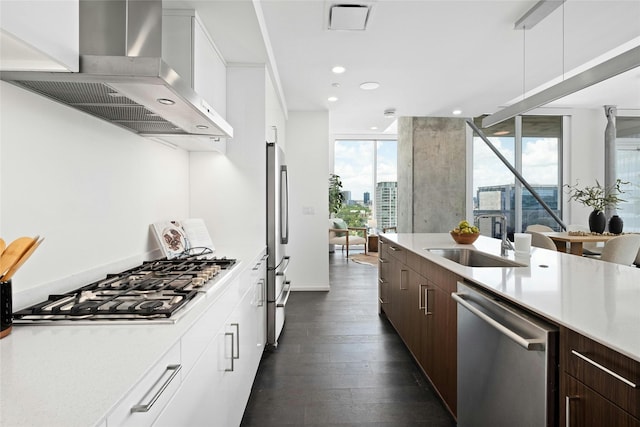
column 598, row 299
column 74, row 375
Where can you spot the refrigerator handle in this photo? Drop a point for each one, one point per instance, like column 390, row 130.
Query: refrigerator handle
column 284, row 205
column 282, row 267
column 284, row 296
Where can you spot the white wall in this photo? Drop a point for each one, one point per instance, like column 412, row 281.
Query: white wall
column 90, row 188
column 308, row 161
column 229, row 192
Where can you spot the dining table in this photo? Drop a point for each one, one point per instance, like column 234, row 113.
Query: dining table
column 576, row 241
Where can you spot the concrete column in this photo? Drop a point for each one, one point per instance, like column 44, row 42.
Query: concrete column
column 610, row 152
column 431, row 174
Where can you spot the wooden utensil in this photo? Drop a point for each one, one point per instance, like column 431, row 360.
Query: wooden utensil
column 14, row 252
column 3, row 245
column 12, row 270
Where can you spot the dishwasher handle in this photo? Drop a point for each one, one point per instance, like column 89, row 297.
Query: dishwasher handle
column 528, row 344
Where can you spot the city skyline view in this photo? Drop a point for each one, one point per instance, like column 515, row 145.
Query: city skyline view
column 354, row 163
column 539, row 162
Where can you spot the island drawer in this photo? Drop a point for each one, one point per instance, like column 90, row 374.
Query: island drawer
column 397, row 252
column 611, row 374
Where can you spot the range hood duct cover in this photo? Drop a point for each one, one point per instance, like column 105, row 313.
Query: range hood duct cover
column 123, row 78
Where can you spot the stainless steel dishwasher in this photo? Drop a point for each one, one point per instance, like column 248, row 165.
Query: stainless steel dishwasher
column 507, row 363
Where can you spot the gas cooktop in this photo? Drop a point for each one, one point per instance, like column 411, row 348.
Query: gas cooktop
column 156, row 291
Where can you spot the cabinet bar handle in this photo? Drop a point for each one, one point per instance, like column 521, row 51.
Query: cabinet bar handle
column 602, row 368
column 230, row 334
column 393, row 248
column 404, row 279
column 146, row 407
column 567, row 410
column 382, row 261
column 237, row 356
column 261, row 286
column 426, row 301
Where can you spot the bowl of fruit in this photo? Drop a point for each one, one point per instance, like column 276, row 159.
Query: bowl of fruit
column 465, row 233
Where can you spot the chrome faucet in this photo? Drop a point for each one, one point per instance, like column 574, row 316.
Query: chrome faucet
column 506, row 243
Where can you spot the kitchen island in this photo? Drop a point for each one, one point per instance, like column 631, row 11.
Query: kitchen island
column 597, row 299
column 595, row 305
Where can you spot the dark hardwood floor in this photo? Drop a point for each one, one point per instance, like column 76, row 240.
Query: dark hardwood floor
column 339, row 363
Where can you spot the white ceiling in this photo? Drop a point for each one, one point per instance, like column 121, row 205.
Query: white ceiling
column 429, row 56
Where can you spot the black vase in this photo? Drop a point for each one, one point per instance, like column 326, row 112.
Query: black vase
column 615, row 224
column 597, row 221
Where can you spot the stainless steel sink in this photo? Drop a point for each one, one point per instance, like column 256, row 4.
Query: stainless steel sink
column 473, row 258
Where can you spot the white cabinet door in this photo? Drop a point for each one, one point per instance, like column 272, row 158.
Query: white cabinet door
column 39, row 35
column 146, row 401
column 201, row 401
column 260, row 305
column 237, row 382
column 209, row 70
column 190, row 51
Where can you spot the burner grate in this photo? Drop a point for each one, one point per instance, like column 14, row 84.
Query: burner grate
column 152, row 290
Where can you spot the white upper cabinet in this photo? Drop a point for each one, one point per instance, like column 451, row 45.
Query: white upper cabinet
column 39, row 35
column 188, row 49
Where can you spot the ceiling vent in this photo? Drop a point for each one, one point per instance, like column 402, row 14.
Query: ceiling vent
column 349, row 17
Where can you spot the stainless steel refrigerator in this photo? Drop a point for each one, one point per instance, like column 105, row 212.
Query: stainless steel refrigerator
column 278, row 287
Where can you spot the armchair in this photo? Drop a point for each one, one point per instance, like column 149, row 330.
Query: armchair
column 345, row 236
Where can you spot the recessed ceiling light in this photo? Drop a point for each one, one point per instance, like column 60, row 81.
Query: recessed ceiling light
column 369, row 85
column 338, row 69
column 501, row 132
column 166, row 101
column 456, row 112
column 335, row 84
column 374, row 127
column 332, row 99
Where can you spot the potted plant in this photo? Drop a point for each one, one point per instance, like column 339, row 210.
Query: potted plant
column 598, row 198
column 336, row 198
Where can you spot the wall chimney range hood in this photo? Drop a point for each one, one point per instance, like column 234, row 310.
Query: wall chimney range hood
column 123, row 78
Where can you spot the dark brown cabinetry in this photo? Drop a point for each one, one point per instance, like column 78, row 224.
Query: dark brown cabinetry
column 442, row 341
column 598, row 385
column 384, row 295
column 415, row 296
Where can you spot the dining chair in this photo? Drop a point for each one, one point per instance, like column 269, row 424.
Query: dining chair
column 622, row 250
column 539, row 240
column 539, row 228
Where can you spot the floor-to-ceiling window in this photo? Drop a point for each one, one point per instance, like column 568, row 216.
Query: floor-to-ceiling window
column 628, row 169
column 368, row 171
column 533, row 146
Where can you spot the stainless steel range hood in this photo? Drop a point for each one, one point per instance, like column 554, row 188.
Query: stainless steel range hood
column 123, row 78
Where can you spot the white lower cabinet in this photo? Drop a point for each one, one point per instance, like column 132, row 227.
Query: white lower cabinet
column 145, row 402
column 215, row 390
